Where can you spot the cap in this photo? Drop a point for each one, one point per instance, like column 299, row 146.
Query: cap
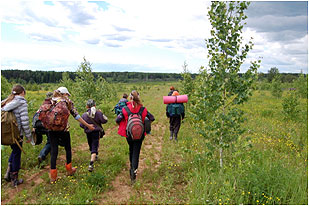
column 63, row 90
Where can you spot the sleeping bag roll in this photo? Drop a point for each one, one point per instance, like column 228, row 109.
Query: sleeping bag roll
column 175, row 99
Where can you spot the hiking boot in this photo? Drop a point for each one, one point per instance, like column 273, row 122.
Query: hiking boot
column 40, row 159
column 133, row 175
column 53, row 175
column 7, row 174
column 70, row 170
column 14, row 179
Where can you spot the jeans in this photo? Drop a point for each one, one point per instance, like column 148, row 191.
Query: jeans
column 46, row 149
column 56, row 138
column 15, row 157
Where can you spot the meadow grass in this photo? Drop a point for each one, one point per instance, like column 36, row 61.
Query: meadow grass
column 269, row 165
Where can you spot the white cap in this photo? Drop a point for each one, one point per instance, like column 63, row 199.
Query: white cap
column 63, row 90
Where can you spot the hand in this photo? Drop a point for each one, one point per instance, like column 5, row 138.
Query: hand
column 91, row 127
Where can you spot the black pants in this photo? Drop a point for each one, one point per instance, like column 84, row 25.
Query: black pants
column 175, row 123
column 56, row 139
column 134, row 151
column 93, row 141
column 15, row 157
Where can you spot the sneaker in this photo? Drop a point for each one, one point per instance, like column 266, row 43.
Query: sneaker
column 90, row 168
column 171, row 137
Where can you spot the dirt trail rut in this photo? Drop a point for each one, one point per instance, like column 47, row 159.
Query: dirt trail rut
column 150, row 152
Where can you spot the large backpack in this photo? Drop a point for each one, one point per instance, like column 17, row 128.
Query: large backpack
column 175, row 109
column 135, row 126
column 54, row 116
column 118, row 107
column 9, row 129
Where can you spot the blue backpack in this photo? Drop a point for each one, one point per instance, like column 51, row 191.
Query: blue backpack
column 118, row 107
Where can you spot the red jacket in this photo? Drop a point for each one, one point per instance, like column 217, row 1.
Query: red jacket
column 124, row 121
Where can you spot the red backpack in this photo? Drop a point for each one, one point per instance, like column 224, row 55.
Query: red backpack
column 54, row 116
column 135, row 126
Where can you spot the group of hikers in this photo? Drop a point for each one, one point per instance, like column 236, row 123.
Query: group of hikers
column 132, row 118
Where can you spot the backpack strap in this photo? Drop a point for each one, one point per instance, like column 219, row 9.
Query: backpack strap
column 139, row 112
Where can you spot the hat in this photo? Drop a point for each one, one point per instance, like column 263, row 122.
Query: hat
column 90, row 103
column 63, row 90
column 175, row 93
column 49, row 95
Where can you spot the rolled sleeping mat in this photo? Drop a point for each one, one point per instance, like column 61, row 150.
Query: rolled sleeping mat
column 175, row 99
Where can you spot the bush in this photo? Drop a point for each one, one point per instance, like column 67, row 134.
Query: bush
column 290, row 106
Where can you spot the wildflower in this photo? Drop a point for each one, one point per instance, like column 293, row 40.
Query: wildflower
column 248, row 192
column 257, row 201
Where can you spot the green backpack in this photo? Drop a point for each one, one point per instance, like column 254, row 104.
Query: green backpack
column 175, row 109
column 9, row 129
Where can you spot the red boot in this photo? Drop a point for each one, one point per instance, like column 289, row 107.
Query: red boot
column 53, row 175
column 70, row 170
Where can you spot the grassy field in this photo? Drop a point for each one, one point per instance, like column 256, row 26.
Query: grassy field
column 269, row 166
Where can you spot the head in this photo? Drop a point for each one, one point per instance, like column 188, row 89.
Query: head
column 172, row 88
column 134, row 96
column 175, row 93
column 49, row 95
column 90, row 103
column 125, row 96
column 16, row 90
column 64, row 91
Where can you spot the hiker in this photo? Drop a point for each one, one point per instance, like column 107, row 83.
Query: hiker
column 125, row 121
column 39, row 129
column 96, row 117
column 122, row 103
column 63, row 137
column 172, row 89
column 176, row 113
column 17, row 103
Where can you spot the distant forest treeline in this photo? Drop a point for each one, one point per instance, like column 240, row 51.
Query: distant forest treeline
column 28, row 76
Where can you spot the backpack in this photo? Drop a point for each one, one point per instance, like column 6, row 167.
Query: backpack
column 54, row 116
column 175, row 109
column 135, row 126
column 9, row 128
column 118, row 107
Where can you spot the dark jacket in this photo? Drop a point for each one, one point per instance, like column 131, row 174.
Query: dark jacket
column 98, row 118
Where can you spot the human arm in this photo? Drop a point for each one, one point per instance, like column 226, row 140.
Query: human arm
column 82, row 121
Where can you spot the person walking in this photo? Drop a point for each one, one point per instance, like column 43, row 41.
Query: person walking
column 63, row 137
column 17, row 103
column 96, row 117
column 176, row 113
column 134, row 107
column 46, row 149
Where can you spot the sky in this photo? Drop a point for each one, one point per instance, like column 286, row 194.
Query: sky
column 143, row 36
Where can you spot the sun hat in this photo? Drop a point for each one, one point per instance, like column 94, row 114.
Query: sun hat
column 175, row 93
column 63, row 90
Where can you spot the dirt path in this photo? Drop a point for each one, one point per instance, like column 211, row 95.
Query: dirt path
column 35, row 179
column 151, row 153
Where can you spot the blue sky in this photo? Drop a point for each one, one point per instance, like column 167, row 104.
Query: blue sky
column 145, row 36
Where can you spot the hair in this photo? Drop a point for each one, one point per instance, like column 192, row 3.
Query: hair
column 172, row 88
column 16, row 90
column 125, row 95
column 135, row 97
column 58, row 94
column 90, row 103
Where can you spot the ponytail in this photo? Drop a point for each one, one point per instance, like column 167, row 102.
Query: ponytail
column 16, row 90
column 134, row 95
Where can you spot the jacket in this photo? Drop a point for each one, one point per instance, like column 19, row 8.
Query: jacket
column 99, row 118
column 19, row 107
column 122, row 119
